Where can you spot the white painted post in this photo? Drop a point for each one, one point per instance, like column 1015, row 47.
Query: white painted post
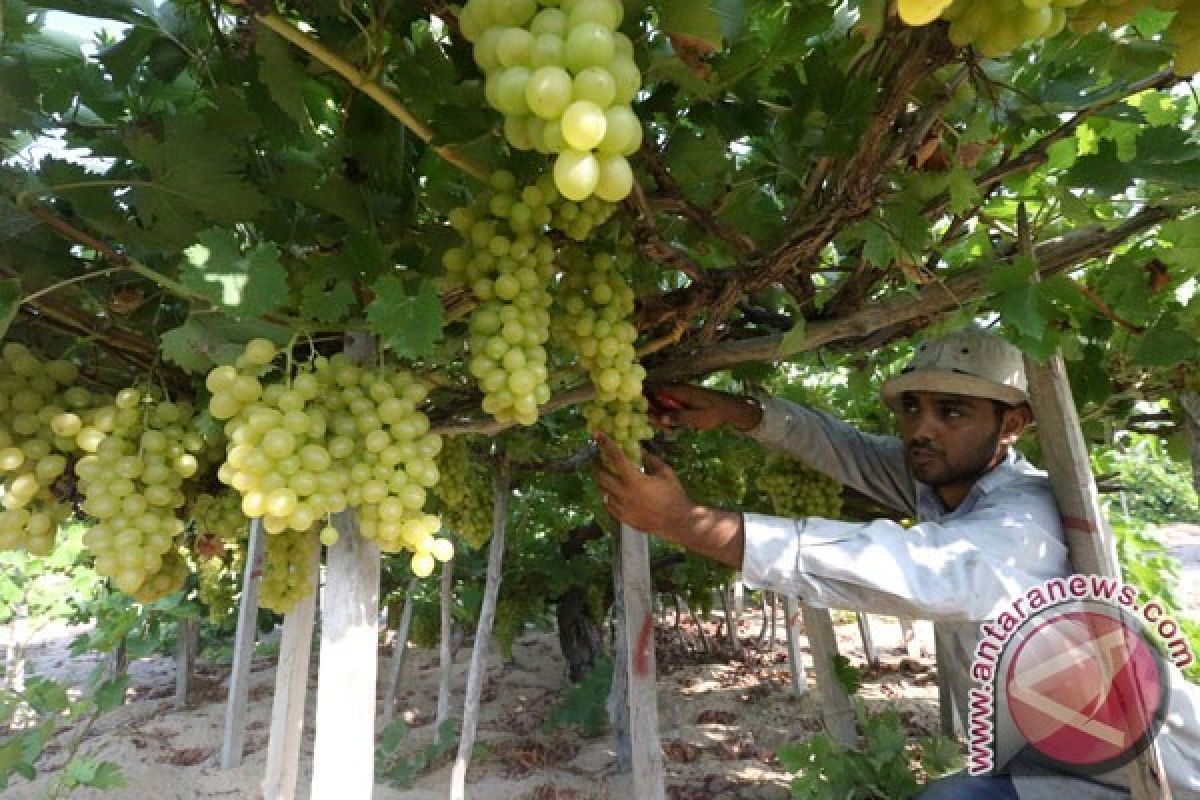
column 618, row 693
column 446, row 667
column 836, row 708
column 648, row 776
column 243, row 652
column 795, row 659
column 739, row 595
column 864, row 630
column 912, row 644
column 344, row 755
column 187, row 639
column 1090, row 542
column 477, row 675
column 400, row 648
column 291, row 693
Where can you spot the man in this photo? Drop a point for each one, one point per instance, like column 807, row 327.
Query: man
column 987, row 524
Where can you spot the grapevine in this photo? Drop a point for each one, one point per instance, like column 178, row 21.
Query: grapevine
column 796, row 490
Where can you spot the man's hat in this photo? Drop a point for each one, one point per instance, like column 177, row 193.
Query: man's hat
column 969, row 362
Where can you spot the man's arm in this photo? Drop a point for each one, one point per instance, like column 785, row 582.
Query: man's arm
column 874, row 465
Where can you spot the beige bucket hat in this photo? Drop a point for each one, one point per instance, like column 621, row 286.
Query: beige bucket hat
column 969, row 362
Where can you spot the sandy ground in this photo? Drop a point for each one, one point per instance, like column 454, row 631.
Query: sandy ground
column 721, row 723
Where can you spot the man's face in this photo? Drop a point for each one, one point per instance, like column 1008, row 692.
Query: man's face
column 950, row 439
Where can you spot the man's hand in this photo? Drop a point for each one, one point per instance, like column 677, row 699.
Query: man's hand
column 685, row 406
column 652, row 502
column 655, row 502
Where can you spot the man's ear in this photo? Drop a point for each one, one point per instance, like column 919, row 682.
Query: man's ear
column 1016, row 420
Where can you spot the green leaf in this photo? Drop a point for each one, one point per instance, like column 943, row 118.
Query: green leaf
column 695, row 19
column 283, row 77
column 208, row 340
column 10, row 301
column 793, row 340
column 131, row 12
column 1101, row 171
column 1166, row 344
column 327, row 305
column 407, row 323
column 244, row 284
column 111, row 694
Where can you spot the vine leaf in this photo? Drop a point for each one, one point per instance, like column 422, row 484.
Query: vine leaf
column 408, row 323
column 10, row 301
column 207, row 340
column 694, row 24
column 244, row 284
column 327, row 305
column 284, row 78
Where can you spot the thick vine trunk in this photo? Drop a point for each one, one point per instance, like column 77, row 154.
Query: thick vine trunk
column 578, row 634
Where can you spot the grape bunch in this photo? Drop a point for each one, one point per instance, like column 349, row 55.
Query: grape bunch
column 564, row 78
column 287, row 571
column 44, row 419
column 330, row 436
column 997, row 27
column 466, row 500
column 132, row 483
column 713, row 467
column 796, row 490
column 508, row 261
column 594, row 312
column 220, row 516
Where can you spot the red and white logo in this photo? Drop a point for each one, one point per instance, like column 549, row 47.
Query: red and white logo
column 1085, row 688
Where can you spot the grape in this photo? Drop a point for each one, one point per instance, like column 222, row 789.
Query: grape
column 615, row 178
column 548, row 91
column 589, row 44
column 583, row 125
column 576, row 174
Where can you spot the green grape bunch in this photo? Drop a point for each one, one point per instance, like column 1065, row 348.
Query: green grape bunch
column 796, row 490
column 593, row 316
column 465, row 498
column 564, row 78
column 326, row 436
column 132, row 482
column 46, row 420
column 287, row 571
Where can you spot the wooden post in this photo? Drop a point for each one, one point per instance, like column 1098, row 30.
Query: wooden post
column 343, row 760
column 648, row 777
column 618, row 693
column 1090, row 540
column 864, row 630
column 912, row 645
column 477, row 675
column 731, row 625
column 836, row 708
column 243, row 652
column 187, row 638
column 291, row 693
column 1191, row 422
column 739, row 595
column 446, row 649
column 400, row 648
column 795, row 659
column 948, row 721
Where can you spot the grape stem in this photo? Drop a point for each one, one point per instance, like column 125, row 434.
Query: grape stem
column 77, row 279
column 359, row 80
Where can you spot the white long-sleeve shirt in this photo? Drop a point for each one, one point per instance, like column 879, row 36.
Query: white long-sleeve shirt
column 959, row 568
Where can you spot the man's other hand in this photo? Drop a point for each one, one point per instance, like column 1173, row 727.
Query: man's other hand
column 653, row 501
column 682, row 406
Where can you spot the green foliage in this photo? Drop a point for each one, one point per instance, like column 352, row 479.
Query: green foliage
column 881, row 770
column 1157, row 488
column 585, row 705
column 849, row 676
column 45, row 589
column 399, row 767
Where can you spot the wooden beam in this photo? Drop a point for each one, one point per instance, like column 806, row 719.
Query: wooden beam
column 795, row 658
column 864, row 630
column 477, row 674
column 1090, row 541
column 836, row 708
column 243, row 652
column 291, row 692
column 648, row 776
column 343, row 757
column 187, row 639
